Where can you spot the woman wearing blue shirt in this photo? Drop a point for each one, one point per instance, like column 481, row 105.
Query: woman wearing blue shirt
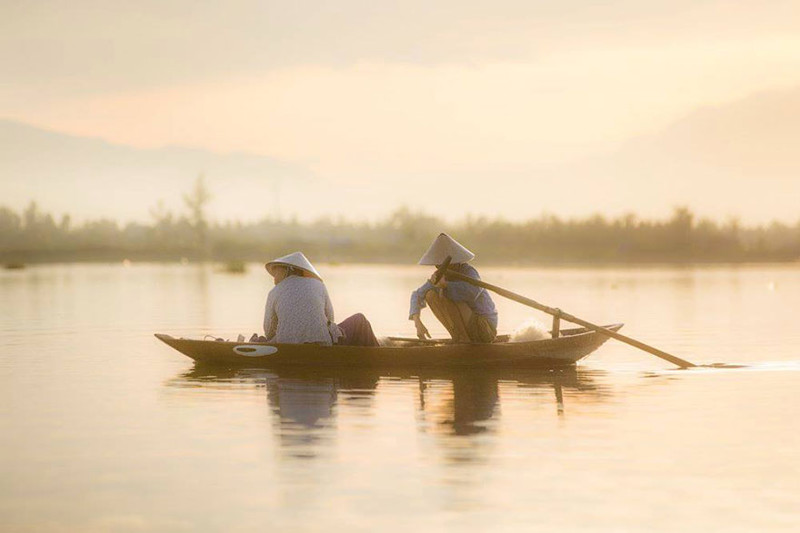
column 467, row 311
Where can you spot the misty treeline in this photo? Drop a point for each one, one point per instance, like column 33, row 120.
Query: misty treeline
column 30, row 235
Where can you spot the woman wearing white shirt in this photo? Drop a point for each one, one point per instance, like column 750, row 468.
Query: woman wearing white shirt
column 299, row 310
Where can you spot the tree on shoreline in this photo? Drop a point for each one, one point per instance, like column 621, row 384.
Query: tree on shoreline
column 197, row 202
column 400, row 237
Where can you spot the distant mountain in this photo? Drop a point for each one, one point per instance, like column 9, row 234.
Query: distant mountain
column 739, row 159
column 89, row 177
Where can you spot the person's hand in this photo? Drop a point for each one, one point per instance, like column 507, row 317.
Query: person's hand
column 422, row 331
column 441, row 284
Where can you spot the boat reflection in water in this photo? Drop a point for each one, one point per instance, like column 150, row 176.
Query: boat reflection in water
column 307, row 403
column 305, row 406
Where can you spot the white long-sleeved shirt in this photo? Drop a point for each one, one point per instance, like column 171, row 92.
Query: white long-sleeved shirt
column 299, row 310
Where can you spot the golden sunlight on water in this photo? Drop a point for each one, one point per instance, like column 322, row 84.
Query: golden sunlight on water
column 106, row 429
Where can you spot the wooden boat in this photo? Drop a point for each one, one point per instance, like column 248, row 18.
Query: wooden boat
column 571, row 346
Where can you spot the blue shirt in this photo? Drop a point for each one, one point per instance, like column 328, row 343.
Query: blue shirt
column 477, row 298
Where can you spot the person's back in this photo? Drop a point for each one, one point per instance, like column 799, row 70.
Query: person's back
column 298, row 310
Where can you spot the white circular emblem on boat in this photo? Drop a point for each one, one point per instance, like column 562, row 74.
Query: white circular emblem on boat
column 254, row 350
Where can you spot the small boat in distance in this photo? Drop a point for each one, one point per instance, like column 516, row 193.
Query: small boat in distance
column 571, row 346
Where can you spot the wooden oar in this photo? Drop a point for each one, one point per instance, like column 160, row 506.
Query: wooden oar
column 440, row 270
column 566, row 316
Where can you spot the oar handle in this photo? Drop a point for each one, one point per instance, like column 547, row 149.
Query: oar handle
column 441, row 270
column 570, row 318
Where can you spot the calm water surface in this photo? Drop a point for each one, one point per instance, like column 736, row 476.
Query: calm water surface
column 106, row 429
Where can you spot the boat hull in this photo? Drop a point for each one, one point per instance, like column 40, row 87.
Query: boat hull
column 568, row 349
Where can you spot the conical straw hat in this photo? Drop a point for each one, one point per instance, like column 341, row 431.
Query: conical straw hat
column 443, row 246
column 297, row 260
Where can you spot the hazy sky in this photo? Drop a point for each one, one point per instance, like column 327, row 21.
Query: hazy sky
column 398, row 98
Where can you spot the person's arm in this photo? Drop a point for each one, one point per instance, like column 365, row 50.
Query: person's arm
column 418, row 300
column 328, row 305
column 270, row 317
column 333, row 328
column 417, row 304
column 461, row 291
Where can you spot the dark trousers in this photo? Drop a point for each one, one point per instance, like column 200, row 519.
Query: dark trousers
column 357, row 331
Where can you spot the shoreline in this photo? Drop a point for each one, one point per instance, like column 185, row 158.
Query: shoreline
column 20, row 262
